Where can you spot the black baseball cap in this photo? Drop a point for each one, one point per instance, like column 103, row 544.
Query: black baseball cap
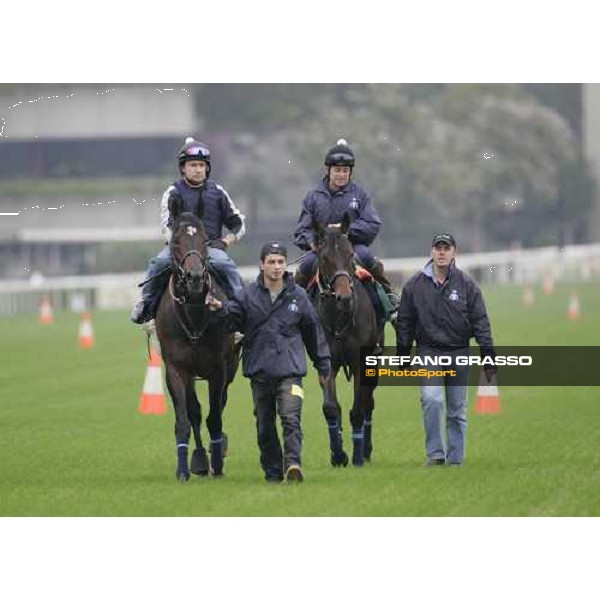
column 273, row 248
column 445, row 238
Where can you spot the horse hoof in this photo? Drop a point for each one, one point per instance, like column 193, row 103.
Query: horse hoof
column 339, row 460
column 182, row 477
column 358, row 460
column 199, row 462
column 217, row 474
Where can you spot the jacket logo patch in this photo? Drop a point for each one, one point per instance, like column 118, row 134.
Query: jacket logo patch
column 454, row 296
column 293, row 307
column 354, row 204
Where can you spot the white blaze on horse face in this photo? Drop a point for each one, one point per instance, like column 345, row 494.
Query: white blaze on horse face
column 191, row 230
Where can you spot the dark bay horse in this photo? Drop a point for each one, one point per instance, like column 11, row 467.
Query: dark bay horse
column 193, row 346
column 349, row 321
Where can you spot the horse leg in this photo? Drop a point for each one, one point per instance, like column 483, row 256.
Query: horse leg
column 369, row 407
column 357, row 418
column 216, row 387
column 199, row 458
column 368, row 439
column 333, row 415
column 225, row 446
column 177, row 385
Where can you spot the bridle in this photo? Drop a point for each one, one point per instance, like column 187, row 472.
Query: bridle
column 183, row 299
column 340, row 328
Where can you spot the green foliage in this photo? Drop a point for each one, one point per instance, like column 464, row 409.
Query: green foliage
column 464, row 151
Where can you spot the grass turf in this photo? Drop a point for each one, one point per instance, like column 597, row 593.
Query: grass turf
column 72, row 441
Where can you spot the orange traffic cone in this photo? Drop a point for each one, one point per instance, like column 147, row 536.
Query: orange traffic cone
column 46, row 312
column 488, row 397
column 528, row 297
column 574, row 310
column 152, row 400
column 86, row 331
column 548, row 284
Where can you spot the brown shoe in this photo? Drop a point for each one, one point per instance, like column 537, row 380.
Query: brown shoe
column 294, row 474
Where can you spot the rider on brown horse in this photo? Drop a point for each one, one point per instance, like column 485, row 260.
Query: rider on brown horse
column 193, row 189
column 336, row 195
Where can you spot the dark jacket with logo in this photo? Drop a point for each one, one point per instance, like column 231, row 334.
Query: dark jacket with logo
column 325, row 208
column 219, row 209
column 444, row 315
column 276, row 332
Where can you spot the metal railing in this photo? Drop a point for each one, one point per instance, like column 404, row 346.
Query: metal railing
column 120, row 291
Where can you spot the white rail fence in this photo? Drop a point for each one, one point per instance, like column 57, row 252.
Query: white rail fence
column 112, row 291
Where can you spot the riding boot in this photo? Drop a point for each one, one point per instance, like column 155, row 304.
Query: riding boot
column 301, row 279
column 377, row 270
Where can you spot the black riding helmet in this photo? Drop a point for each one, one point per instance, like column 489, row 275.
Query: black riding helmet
column 340, row 155
column 194, row 150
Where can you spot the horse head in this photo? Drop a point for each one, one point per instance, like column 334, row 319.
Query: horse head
column 335, row 256
column 188, row 247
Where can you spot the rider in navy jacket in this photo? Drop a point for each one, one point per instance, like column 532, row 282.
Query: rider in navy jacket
column 335, row 195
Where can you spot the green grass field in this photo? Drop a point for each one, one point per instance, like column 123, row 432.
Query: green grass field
column 72, row 442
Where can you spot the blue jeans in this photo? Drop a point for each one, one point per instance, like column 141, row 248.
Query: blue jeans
column 222, row 263
column 432, row 404
column 308, row 264
column 219, row 260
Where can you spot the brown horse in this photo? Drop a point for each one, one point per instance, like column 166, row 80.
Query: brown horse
column 349, row 320
column 193, row 345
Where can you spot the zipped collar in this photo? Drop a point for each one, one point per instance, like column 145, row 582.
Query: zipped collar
column 428, row 270
column 324, row 188
column 288, row 281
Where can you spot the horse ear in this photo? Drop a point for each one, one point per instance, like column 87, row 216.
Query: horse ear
column 318, row 231
column 175, row 205
column 345, row 223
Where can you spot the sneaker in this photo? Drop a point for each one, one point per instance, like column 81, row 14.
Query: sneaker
column 138, row 314
column 436, row 462
column 294, row 473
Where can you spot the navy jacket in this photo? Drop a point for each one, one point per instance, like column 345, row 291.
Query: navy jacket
column 322, row 206
column 219, row 209
column 275, row 333
column 445, row 316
